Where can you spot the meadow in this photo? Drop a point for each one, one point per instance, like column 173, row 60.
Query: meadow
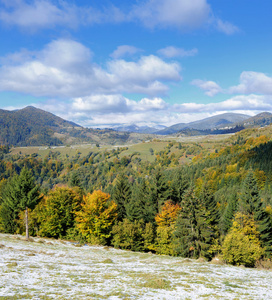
column 56, row 269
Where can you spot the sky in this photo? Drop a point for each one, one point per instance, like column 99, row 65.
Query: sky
column 148, row 62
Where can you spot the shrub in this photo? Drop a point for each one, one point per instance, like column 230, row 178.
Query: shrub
column 128, row 235
column 238, row 249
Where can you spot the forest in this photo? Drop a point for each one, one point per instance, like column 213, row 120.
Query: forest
column 182, row 199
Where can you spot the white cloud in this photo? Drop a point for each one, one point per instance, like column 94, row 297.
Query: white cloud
column 64, row 69
column 253, row 82
column 171, row 52
column 148, row 68
column 102, row 104
column 39, row 14
column 179, row 14
column 238, row 103
column 108, row 110
column 125, row 50
column 226, row 27
column 173, row 13
column 211, row 88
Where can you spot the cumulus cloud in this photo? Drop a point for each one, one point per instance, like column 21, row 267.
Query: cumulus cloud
column 103, row 104
column 171, row 52
column 125, row 50
column 64, row 68
column 179, row 14
column 238, row 103
column 211, row 88
column 253, row 82
column 109, row 110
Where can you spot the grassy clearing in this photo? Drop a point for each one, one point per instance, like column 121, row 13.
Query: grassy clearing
column 58, row 270
column 208, row 143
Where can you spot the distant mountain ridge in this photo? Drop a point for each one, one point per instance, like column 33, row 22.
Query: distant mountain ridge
column 139, row 129
column 31, row 126
column 222, row 121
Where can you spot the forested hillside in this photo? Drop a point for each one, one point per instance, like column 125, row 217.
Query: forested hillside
column 35, row 127
column 201, row 198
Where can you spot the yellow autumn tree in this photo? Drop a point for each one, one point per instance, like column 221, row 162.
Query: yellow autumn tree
column 96, row 217
column 242, row 245
column 166, row 220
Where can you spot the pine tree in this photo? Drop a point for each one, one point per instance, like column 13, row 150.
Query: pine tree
column 121, row 196
column 191, row 229
column 210, row 215
column 160, row 189
column 250, row 198
column 228, row 215
column 139, row 206
column 251, row 204
column 21, row 193
column 178, row 186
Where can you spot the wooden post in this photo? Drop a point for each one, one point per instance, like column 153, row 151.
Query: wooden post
column 26, row 225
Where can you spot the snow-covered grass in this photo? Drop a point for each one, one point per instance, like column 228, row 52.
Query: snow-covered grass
column 54, row 269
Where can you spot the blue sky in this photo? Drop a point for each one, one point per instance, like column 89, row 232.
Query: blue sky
column 103, row 63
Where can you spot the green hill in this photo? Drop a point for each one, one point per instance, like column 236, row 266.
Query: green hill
column 31, row 126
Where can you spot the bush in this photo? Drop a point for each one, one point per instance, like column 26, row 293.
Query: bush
column 238, row 249
column 128, row 235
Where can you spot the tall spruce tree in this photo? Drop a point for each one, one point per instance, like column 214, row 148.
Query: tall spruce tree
column 160, row 189
column 135, row 209
column 141, row 205
column 178, row 186
column 121, row 196
column 210, row 213
column 228, row 215
column 20, row 193
column 191, row 231
column 251, row 204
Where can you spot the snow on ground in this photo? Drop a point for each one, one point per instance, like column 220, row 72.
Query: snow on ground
column 54, row 269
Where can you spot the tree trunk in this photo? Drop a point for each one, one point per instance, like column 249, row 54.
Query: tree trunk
column 26, row 223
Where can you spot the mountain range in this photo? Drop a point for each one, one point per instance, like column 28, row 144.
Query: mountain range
column 223, row 123
column 31, row 126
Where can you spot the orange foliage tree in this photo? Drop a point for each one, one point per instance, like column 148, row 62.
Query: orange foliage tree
column 166, row 220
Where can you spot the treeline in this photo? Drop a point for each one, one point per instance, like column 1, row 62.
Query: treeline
column 219, row 205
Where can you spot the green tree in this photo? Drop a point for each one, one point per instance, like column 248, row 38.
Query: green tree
column 129, row 235
column 228, row 215
column 191, row 231
column 121, row 196
column 140, row 205
column 20, row 193
column 56, row 213
column 159, row 189
column 179, row 185
column 251, row 204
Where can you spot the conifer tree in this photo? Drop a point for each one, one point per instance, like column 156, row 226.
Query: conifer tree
column 191, row 230
column 178, row 186
column 228, row 215
column 160, row 189
column 21, row 193
column 121, row 196
column 140, row 206
column 210, row 215
column 251, row 204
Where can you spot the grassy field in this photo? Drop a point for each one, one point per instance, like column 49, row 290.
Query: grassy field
column 208, row 143
column 55, row 269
